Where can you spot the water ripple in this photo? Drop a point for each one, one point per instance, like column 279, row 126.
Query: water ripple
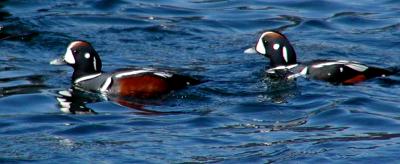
column 237, row 116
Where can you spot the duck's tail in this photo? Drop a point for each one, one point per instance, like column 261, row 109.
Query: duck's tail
column 181, row 81
column 394, row 70
column 372, row 72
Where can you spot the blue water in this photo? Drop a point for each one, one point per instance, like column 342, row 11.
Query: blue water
column 236, row 117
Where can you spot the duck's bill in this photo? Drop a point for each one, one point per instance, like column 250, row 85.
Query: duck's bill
column 251, row 50
column 59, row 61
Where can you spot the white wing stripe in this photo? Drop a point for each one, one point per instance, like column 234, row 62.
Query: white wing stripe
column 320, row 65
column 133, row 73
column 106, row 84
column 136, row 72
column 357, row 67
column 304, row 71
column 163, row 74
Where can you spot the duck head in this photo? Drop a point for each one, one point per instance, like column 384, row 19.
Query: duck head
column 276, row 47
column 82, row 57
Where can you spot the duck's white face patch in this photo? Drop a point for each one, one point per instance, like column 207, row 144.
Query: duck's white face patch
column 69, row 57
column 87, row 55
column 284, row 53
column 276, row 46
column 260, row 47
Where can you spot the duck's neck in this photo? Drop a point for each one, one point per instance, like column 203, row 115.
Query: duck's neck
column 80, row 74
column 283, row 56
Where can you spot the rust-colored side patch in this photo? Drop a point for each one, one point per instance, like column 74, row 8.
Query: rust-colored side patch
column 356, row 79
column 146, row 86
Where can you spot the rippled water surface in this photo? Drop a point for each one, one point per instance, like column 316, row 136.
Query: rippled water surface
column 238, row 116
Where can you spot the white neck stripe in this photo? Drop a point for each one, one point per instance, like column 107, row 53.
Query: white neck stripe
column 95, row 63
column 84, row 78
column 284, row 52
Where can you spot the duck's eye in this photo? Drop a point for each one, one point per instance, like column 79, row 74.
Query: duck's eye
column 74, row 51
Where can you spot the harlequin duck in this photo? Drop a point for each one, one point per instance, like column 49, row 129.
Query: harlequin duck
column 283, row 63
column 137, row 83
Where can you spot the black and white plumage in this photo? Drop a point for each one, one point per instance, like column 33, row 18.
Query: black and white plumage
column 283, row 63
column 139, row 83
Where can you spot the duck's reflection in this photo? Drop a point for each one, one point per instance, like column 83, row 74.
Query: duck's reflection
column 75, row 100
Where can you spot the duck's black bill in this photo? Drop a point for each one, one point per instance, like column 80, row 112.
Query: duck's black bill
column 251, row 50
column 59, row 61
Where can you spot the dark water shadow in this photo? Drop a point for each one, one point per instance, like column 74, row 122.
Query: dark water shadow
column 279, row 89
column 15, row 81
column 3, row 14
column 12, row 28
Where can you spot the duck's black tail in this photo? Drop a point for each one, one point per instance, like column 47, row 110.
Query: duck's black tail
column 394, row 70
column 181, row 81
column 372, row 72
